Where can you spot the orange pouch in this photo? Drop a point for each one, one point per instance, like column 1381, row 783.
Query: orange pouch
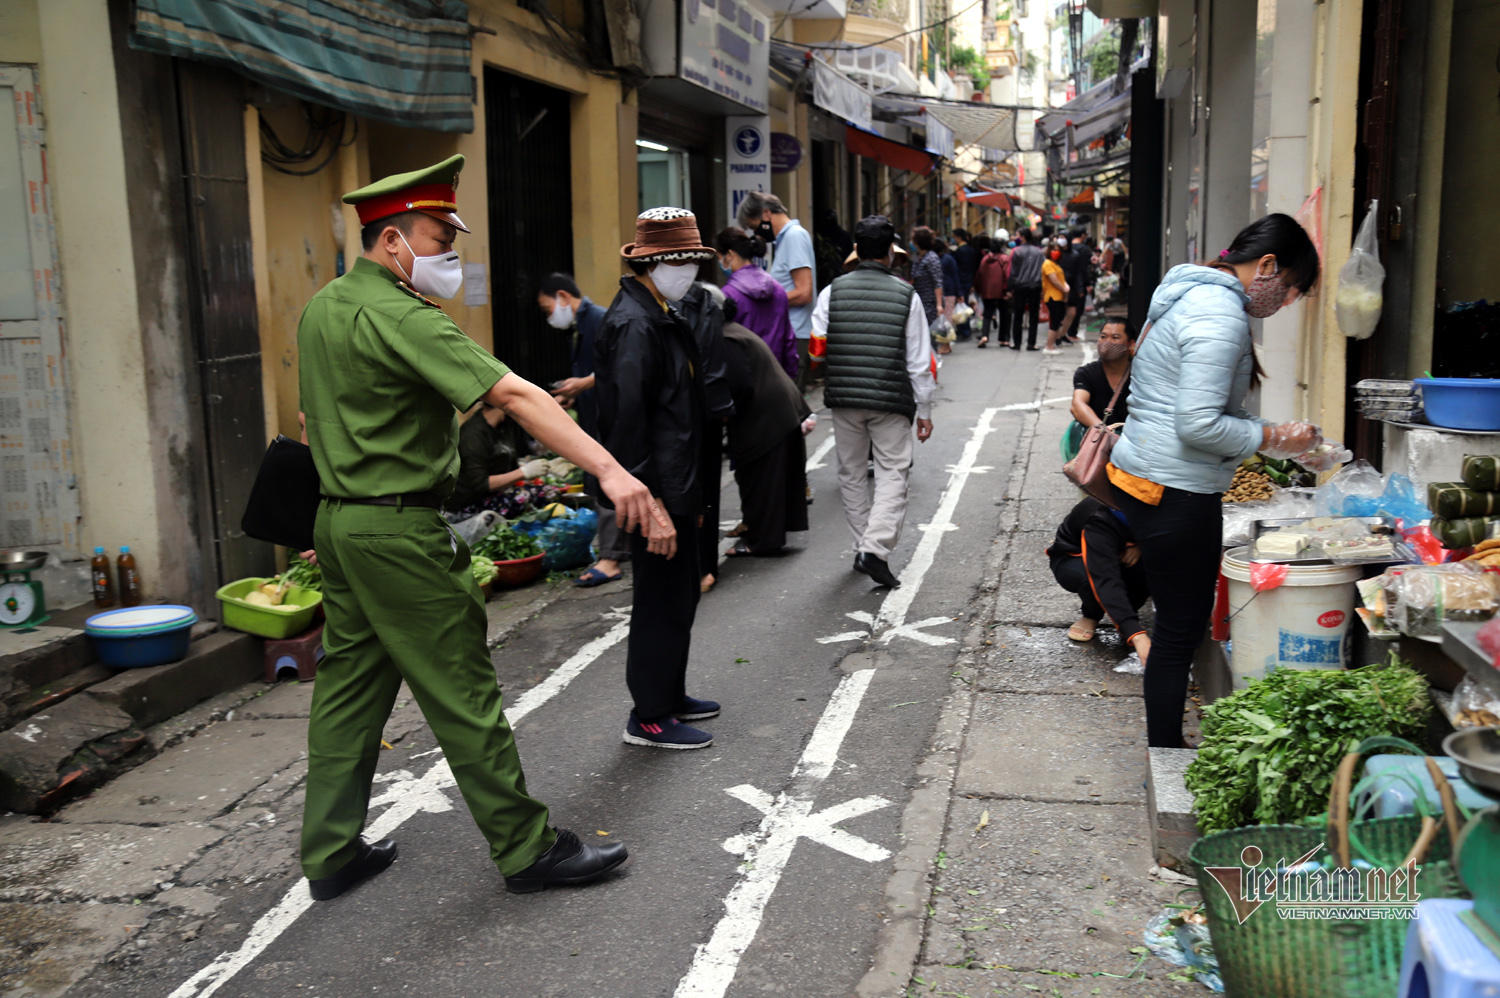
column 1143, row 489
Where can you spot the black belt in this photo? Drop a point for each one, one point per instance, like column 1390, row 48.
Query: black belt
column 429, row 500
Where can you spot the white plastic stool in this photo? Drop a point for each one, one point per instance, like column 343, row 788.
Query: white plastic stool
column 1444, row 959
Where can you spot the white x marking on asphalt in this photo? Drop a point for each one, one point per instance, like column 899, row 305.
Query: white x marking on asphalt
column 799, row 822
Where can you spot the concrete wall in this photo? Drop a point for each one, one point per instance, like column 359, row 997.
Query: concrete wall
column 107, row 370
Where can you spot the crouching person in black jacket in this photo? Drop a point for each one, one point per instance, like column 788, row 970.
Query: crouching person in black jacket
column 1095, row 556
column 648, row 378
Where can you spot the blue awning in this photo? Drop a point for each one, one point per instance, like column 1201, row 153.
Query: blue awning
column 402, row 61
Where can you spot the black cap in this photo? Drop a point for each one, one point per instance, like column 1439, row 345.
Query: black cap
column 874, row 227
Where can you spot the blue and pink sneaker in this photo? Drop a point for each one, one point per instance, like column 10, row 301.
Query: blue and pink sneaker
column 667, row 733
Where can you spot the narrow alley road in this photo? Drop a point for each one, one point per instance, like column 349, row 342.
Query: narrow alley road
column 757, row 866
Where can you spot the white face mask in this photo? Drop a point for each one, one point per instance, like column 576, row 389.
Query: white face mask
column 439, row 275
column 674, row 279
column 562, row 315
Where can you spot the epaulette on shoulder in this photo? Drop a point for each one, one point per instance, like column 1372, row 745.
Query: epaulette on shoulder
column 413, row 292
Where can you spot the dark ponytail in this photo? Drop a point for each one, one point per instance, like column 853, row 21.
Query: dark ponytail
column 746, row 244
column 1283, row 237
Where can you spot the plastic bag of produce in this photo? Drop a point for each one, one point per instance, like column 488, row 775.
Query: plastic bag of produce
column 476, row 526
column 565, row 540
column 1421, row 600
column 1354, row 491
column 1359, row 300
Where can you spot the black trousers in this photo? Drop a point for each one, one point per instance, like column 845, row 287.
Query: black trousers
column 1025, row 303
column 665, row 601
column 1181, row 543
column 996, row 317
column 773, row 493
column 1071, row 573
column 1076, row 304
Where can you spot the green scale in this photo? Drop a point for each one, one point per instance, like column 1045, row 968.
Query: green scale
column 23, row 604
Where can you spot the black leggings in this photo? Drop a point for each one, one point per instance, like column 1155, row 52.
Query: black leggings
column 997, row 317
column 1181, row 543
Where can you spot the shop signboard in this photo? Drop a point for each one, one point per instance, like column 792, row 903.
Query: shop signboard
column 786, row 152
column 747, row 157
column 726, row 48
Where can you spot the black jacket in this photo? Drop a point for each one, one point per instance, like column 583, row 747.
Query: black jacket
column 1078, row 267
column 650, row 396
column 1093, row 532
column 706, row 319
column 768, row 407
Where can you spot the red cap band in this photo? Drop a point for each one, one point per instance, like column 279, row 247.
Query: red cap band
column 421, row 197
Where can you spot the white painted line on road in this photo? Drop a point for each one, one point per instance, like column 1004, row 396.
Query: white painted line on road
column 769, row 848
column 407, row 797
column 816, row 460
column 892, row 617
column 1022, row 406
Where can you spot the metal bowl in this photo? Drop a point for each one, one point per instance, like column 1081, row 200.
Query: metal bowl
column 21, row 561
column 1477, row 752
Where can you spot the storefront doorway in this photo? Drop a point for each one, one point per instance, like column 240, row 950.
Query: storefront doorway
column 531, row 217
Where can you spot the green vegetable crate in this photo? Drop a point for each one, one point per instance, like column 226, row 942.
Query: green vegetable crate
column 263, row 621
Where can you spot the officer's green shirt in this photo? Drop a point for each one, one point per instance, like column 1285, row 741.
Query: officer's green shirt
column 381, row 374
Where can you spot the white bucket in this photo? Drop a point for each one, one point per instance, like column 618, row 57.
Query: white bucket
column 1301, row 624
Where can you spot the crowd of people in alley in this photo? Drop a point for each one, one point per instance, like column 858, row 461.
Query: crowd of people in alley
column 687, row 368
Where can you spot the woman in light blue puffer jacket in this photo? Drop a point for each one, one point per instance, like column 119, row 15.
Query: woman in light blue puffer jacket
column 1188, row 430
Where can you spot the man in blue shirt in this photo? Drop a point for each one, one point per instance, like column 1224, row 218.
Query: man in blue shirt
column 791, row 264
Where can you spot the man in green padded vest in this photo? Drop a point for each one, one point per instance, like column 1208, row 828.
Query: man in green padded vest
column 383, row 371
column 878, row 366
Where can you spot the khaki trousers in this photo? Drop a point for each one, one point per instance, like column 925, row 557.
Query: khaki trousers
column 875, row 514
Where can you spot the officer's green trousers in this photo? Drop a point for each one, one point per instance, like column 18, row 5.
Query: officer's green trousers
column 401, row 604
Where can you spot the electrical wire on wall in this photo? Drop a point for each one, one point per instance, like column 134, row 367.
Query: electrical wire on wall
column 325, row 126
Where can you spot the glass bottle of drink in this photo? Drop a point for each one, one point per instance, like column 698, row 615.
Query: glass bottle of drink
column 103, row 584
column 130, row 580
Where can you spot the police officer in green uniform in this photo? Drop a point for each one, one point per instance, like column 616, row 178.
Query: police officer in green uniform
column 383, row 371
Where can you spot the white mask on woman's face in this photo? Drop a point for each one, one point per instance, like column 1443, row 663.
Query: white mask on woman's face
column 674, row 279
column 439, row 275
column 562, row 315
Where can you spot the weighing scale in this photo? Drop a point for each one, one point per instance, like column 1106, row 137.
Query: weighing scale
column 23, row 604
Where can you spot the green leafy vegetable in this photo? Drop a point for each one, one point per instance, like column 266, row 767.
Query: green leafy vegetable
column 303, row 574
column 505, row 544
column 1270, row 751
column 483, row 569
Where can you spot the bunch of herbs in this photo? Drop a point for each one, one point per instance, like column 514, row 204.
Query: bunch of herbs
column 505, row 544
column 1269, row 752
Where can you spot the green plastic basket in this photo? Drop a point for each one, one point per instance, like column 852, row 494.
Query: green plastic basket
column 1271, row 956
column 263, row 621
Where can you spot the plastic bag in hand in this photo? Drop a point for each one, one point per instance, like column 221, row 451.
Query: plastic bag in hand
column 1288, row 440
column 1324, row 456
column 1359, row 300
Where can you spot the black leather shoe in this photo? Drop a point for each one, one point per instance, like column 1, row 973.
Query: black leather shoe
column 569, row 861
column 370, row 860
column 876, row 569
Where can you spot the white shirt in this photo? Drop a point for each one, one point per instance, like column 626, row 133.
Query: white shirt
column 918, row 348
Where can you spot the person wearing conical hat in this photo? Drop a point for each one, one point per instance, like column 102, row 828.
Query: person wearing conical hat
column 383, row 371
column 649, row 379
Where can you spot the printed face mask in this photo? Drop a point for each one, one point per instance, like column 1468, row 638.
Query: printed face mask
column 439, row 275
column 674, row 279
column 1267, row 295
column 561, row 317
column 765, row 231
column 1111, row 351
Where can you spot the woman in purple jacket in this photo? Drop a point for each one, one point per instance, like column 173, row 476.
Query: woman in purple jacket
column 760, row 297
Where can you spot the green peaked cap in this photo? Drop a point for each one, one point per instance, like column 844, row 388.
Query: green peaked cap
column 432, row 190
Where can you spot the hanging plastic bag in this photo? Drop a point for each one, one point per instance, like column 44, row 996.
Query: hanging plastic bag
column 962, row 313
column 942, row 330
column 1359, row 299
column 1354, row 491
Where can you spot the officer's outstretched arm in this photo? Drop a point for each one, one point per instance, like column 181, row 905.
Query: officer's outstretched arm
column 545, row 420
